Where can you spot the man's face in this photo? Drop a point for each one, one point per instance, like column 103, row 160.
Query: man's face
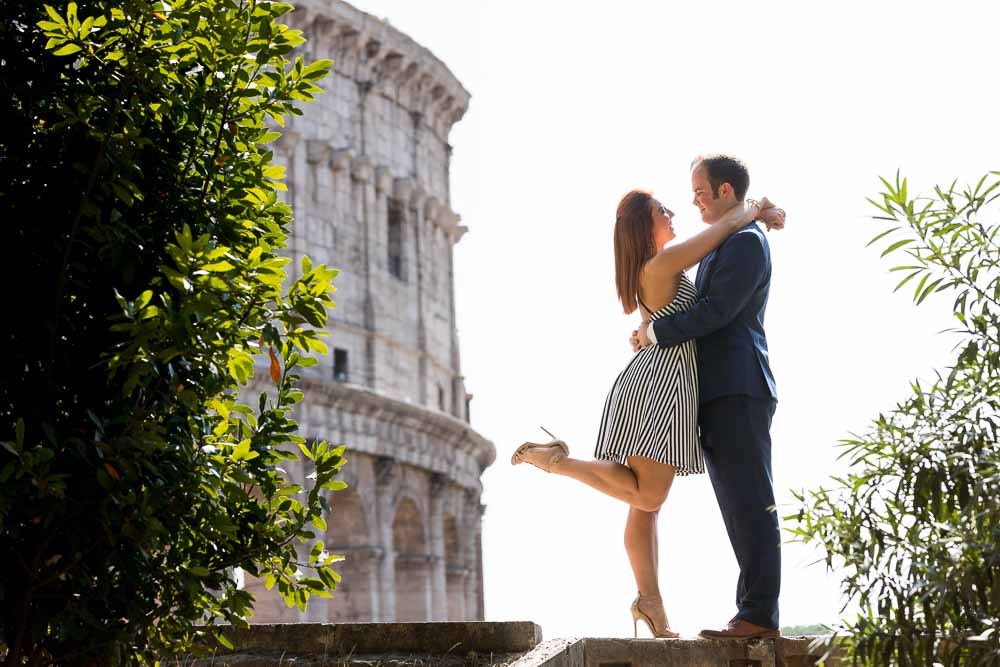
column 711, row 207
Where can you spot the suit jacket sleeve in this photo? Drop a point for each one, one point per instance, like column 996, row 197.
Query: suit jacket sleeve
column 739, row 268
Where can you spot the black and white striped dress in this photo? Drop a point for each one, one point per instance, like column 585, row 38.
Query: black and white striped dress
column 652, row 408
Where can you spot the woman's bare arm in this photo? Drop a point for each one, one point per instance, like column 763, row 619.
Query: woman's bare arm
column 678, row 257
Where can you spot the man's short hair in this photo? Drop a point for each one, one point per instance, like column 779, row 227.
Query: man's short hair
column 725, row 169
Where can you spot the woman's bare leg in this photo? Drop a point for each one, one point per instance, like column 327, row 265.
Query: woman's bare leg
column 640, row 545
column 643, row 483
column 641, row 541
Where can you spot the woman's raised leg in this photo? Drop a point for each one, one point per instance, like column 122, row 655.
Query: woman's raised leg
column 643, row 483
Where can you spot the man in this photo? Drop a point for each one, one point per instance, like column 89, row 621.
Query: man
column 737, row 395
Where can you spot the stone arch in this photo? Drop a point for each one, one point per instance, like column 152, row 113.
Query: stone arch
column 412, row 572
column 347, row 523
column 411, row 491
column 348, row 534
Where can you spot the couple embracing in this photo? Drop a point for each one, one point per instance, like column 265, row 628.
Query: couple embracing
column 698, row 394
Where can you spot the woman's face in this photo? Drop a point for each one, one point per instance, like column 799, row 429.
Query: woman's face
column 663, row 224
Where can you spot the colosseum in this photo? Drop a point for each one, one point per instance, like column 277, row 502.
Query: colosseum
column 368, row 178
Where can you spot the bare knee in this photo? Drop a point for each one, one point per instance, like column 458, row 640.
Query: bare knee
column 650, row 501
column 653, row 482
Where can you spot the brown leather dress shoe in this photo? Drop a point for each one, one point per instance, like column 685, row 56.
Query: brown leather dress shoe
column 740, row 629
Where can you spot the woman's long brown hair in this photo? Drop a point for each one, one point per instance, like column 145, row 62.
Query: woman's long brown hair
column 634, row 245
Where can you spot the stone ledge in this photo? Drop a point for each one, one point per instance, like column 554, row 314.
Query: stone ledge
column 479, row 644
column 345, row 639
column 598, row 652
column 378, row 660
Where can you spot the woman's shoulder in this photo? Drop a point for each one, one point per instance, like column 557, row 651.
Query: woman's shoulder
column 655, row 266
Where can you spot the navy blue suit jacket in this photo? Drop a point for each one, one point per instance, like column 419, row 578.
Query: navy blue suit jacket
column 728, row 319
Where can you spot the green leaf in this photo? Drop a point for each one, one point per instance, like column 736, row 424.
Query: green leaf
column 143, row 299
column 10, row 447
column 241, row 450
column 896, row 246
column 879, row 237
column 218, row 267
column 274, row 171
column 907, row 279
column 317, row 70
column 67, row 50
column 54, row 15
column 276, row 117
column 920, row 285
column 928, row 290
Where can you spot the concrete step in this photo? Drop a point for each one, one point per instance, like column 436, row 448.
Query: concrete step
column 598, row 652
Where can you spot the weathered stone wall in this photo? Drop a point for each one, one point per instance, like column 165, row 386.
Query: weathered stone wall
column 368, row 178
column 378, row 139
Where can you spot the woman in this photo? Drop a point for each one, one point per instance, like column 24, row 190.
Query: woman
column 649, row 429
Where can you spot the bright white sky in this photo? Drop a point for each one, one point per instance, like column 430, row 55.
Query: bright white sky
column 574, row 104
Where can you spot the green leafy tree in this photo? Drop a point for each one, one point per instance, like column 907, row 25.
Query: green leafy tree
column 914, row 526
column 143, row 289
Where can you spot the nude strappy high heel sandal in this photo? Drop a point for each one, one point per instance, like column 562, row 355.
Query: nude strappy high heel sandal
column 639, row 615
column 560, row 450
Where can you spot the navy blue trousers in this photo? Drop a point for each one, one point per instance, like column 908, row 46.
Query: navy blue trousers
column 736, row 440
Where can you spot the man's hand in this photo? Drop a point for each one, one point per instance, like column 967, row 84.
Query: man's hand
column 639, row 339
column 772, row 216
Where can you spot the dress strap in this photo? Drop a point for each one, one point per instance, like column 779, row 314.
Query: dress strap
column 641, row 303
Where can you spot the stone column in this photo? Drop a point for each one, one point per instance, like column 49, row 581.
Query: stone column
column 340, row 208
column 417, row 214
column 386, row 477
column 473, row 558
column 372, row 570
column 383, row 186
column 428, row 250
column 439, row 577
column 461, row 613
column 454, row 233
column 428, row 572
column 365, row 204
column 478, row 573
